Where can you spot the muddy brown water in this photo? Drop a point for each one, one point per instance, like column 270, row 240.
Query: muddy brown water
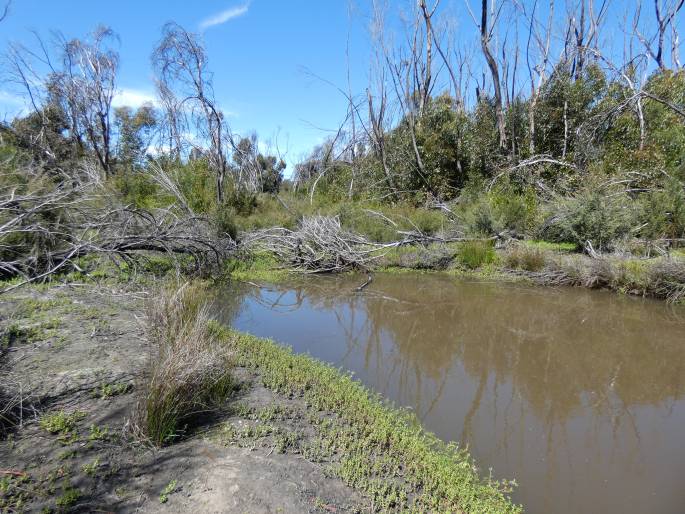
column 578, row 395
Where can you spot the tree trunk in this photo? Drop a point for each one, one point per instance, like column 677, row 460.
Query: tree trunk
column 494, row 71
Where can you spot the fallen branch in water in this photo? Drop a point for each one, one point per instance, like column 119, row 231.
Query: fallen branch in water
column 369, row 279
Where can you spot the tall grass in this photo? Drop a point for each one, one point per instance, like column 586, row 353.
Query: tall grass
column 189, row 374
column 524, row 258
column 474, row 254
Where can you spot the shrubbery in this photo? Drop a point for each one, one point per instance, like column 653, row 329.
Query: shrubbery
column 591, row 215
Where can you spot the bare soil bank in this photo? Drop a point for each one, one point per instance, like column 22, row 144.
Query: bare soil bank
column 76, row 354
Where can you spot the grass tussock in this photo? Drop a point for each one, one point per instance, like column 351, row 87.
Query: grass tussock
column 377, row 449
column 475, row 254
column 523, row 257
column 190, row 374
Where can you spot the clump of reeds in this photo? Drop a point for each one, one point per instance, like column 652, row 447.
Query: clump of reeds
column 189, row 371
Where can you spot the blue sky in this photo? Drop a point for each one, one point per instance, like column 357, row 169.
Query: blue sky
column 259, row 51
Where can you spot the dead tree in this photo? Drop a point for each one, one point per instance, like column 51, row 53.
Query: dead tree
column 486, row 31
column 45, row 229
column 88, row 86
column 180, row 63
column 426, row 82
column 378, row 106
column 665, row 13
column 5, row 10
column 585, row 27
column 80, row 82
column 540, row 68
column 172, row 123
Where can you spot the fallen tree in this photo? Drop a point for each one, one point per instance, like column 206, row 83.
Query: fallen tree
column 321, row 245
column 46, row 225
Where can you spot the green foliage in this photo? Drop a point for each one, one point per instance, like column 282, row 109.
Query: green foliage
column 61, row 422
column 662, row 212
column 170, row 488
column 138, row 188
column 591, row 215
column 91, row 469
column 381, row 222
column 271, row 171
column 383, row 451
column 134, row 131
column 242, row 202
column 625, row 150
column 69, row 497
column 443, row 139
column 556, row 247
column 495, row 211
column 197, row 183
column 225, row 221
column 258, row 266
column 44, row 136
column 566, row 101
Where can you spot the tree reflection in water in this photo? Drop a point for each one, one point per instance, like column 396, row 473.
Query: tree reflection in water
column 551, row 386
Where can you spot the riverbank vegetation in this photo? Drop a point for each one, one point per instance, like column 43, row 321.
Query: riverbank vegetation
column 586, row 151
column 371, row 445
column 549, row 159
column 190, row 374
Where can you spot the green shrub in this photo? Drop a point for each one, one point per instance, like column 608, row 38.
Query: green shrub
column 225, row 221
column 140, row 190
column 197, row 183
column 243, row 202
column 492, row 213
column 474, row 254
column 591, row 215
column 662, row 212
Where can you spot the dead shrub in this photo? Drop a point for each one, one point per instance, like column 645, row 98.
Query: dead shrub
column 520, row 257
column 666, row 279
column 599, row 273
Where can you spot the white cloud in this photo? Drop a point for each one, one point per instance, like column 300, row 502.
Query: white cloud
column 12, row 105
column 127, row 97
column 224, row 16
column 11, row 99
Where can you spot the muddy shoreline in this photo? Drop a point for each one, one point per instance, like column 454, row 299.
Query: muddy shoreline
column 77, row 353
column 87, row 365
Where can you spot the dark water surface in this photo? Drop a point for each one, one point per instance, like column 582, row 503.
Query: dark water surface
column 578, row 395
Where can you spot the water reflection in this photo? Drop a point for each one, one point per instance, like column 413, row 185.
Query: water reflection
column 577, row 394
